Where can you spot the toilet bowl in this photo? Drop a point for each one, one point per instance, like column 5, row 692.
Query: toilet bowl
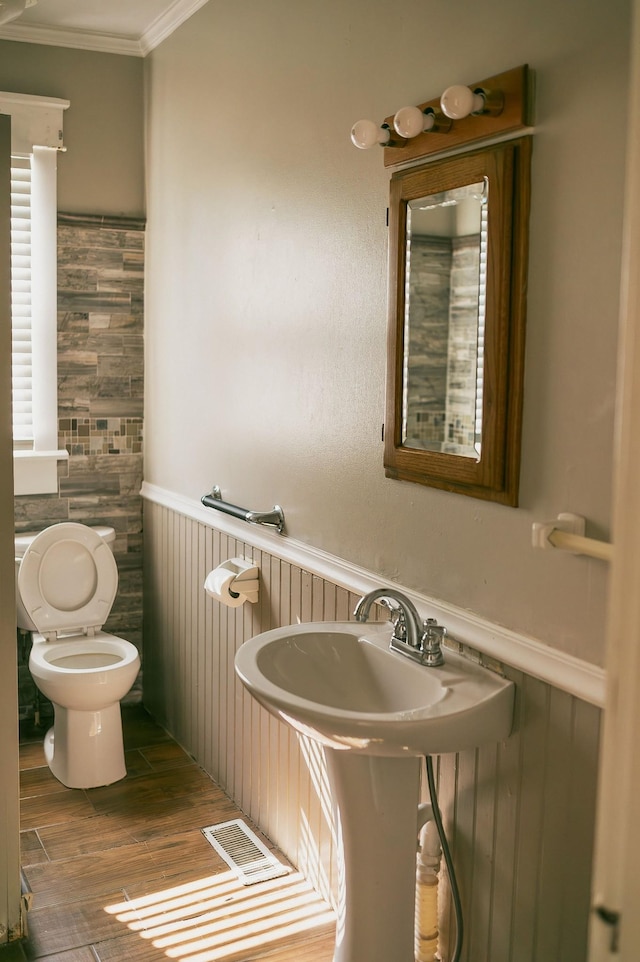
column 66, row 583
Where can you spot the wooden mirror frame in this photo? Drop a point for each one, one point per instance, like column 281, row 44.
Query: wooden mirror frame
column 495, row 476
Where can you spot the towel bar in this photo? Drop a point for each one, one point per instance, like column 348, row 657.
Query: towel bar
column 273, row 518
column 567, row 532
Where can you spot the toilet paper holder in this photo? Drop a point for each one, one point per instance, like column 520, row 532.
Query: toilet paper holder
column 245, row 582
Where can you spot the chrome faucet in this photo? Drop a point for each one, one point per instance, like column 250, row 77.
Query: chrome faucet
column 413, row 637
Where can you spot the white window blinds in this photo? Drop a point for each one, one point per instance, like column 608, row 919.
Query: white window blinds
column 21, row 318
column 36, row 139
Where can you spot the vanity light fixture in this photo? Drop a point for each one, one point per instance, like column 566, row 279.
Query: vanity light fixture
column 458, row 102
column 490, row 108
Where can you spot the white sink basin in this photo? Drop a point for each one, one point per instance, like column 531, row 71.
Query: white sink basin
column 340, row 684
column 374, row 711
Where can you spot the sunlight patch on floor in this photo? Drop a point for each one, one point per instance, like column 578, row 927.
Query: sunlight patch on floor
column 219, row 918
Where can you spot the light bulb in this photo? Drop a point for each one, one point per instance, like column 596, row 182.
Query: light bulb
column 411, row 121
column 367, row 133
column 458, row 102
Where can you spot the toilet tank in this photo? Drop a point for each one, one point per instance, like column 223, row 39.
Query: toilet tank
column 22, row 542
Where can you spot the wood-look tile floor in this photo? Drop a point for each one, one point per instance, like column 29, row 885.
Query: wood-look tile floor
column 124, row 872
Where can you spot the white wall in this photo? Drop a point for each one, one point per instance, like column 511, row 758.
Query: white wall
column 266, row 285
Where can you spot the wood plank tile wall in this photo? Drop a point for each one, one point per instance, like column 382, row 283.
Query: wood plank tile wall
column 519, row 814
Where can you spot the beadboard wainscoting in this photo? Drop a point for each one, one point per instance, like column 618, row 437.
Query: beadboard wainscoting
column 520, row 814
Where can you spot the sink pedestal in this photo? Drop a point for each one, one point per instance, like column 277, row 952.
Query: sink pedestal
column 339, row 684
column 375, row 801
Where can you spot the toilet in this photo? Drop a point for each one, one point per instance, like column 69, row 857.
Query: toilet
column 66, row 584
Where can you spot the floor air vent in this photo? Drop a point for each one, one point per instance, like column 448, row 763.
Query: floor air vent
column 243, row 852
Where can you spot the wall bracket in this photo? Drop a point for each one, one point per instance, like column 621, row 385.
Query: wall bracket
column 568, row 533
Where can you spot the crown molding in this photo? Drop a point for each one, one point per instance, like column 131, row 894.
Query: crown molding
column 169, row 21
column 78, row 39
column 160, row 29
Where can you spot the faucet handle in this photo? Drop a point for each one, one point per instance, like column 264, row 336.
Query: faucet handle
column 430, row 624
column 396, row 615
column 431, row 642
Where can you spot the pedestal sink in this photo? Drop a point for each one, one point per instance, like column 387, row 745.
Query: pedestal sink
column 375, row 713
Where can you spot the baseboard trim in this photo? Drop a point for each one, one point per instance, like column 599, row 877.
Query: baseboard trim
column 524, row 653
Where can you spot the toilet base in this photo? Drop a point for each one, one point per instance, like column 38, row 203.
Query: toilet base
column 84, row 749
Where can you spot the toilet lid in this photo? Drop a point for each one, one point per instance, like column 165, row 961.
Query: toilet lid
column 68, row 579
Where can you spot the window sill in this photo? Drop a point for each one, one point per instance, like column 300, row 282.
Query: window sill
column 36, row 472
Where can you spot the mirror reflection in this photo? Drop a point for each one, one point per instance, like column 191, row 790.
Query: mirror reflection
column 445, row 297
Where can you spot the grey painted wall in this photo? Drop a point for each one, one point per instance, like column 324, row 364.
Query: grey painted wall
column 266, row 285
column 102, row 171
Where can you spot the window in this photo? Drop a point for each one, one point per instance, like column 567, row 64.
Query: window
column 21, row 340
column 36, row 138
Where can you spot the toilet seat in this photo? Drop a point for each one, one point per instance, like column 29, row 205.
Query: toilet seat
column 68, row 580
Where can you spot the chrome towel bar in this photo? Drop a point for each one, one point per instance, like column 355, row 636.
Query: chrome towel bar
column 273, row 518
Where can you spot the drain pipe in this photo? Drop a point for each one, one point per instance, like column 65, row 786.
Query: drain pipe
column 426, row 813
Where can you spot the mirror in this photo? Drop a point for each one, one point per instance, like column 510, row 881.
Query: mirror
column 458, row 246
column 445, row 294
